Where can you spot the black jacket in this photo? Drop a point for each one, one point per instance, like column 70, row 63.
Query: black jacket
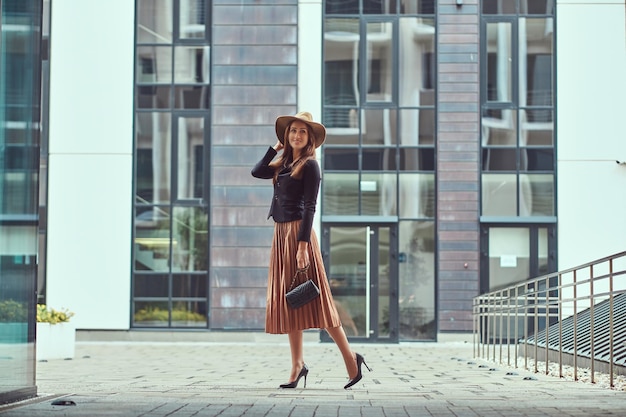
column 294, row 199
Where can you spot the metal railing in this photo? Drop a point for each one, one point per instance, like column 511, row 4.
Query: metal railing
column 568, row 314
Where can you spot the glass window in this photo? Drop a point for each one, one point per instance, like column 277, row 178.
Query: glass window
column 379, row 62
column 192, row 19
column 416, row 195
column 341, row 159
column 340, row 194
column 152, row 239
column 342, row 6
column 378, row 194
column 416, row 61
column 189, row 172
column 379, row 159
column 499, row 61
column 417, row 280
column 154, row 64
column 190, row 239
column 192, row 64
column 153, row 157
column 499, row 196
column 151, row 313
column 154, row 21
column 417, row 159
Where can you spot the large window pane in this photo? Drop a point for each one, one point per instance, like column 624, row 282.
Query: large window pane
column 192, row 19
column 499, row 62
column 152, row 239
column 417, row 279
column 341, row 159
column 342, row 6
column 417, row 126
column 153, row 155
column 499, row 196
column 192, row 64
column 341, row 80
column 379, row 159
column 154, row 21
column 416, row 195
column 416, row 72
column 379, row 62
column 151, row 313
column 154, row 64
column 189, row 313
column 378, row 127
column 189, row 239
column 378, row 194
column 540, row 188
column 417, row 159
column 189, row 169
column 340, row 194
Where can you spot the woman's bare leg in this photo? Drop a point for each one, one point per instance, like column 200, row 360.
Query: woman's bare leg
column 297, row 353
column 341, row 340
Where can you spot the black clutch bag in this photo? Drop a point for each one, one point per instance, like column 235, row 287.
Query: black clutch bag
column 303, row 293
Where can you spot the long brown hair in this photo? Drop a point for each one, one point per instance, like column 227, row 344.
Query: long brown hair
column 286, row 158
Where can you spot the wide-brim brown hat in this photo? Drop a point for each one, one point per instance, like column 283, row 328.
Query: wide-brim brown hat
column 304, row 116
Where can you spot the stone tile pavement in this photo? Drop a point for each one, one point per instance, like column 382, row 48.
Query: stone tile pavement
column 230, row 379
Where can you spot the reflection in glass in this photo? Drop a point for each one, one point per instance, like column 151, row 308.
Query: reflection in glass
column 378, row 194
column 341, row 81
column 153, row 97
column 378, row 127
column 499, row 128
column 153, row 153
column 154, row 21
column 189, row 286
column 341, row 159
column 499, row 196
column 499, row 6
column 152, row 239
column 347, row 277
column 189, row 313
column 416, row 69
column 342, row 6
column 154, row 64
column 189, row 165
column 379, row 159
column 379, row 58
column 340, row 194
column 417, row 195
column 541, row 190
column 417, row 159
column 192, row 64
column 151, row 313
column 499, row 159
column 384, row 282
column 192, row 19
column 153, row 285
column 191, row 96
column 189, row 239
column 499, row 62
column 417, row 280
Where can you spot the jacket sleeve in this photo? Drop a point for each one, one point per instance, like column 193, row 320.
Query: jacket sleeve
column 311, row 182
column 262, row 168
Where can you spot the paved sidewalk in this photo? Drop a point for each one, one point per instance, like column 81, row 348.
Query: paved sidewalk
column 157, row 379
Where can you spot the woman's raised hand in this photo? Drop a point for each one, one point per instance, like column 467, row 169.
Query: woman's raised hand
column 278, row 146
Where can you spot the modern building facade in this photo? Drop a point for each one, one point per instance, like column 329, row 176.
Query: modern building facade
column 470, row 144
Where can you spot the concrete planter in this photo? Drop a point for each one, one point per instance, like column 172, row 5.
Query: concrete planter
column 55, row 341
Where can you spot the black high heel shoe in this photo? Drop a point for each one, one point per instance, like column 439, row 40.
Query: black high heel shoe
column 359, row 375
column 303, row 373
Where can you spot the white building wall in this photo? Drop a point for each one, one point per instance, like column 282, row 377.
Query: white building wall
column 310, row 14
column 90, row 172
column 591, row 63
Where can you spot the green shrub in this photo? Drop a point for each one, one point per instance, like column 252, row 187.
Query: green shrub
column 13, row 312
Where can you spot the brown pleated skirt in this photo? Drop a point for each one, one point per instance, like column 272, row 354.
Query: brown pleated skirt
column 320, row 313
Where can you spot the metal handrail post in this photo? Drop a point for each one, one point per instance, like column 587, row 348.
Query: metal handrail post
column 560, row 317
column 516, row 325
column 536, row 324
column 548, row 302
column 575, row 287
column 611, row 323
column 591, row 328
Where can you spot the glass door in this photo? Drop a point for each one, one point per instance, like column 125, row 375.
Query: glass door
column 363, row 279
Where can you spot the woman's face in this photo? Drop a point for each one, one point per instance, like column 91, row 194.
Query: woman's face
column 298, row 136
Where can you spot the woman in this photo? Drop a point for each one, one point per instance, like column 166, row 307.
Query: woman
column 296, row 177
